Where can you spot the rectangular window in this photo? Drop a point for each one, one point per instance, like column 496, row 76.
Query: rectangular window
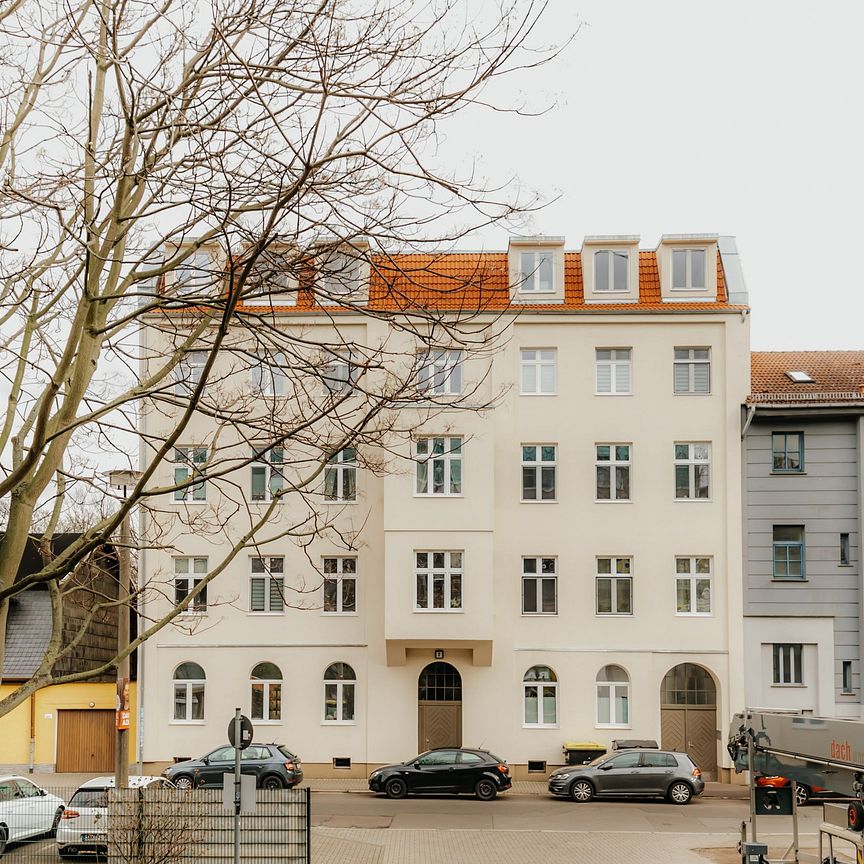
column 614, row 586
column 340, row 476
column 537, row 275
column 538, row 472
column 610, row 270
column 188, row 573
column 195, row 273
column 337, row 374
column 539, row 586
column 691, row 370
column 267, row 477
column 688, row 268
column 338, row 275
column 847, row 676
column 189, row 463
column 440, row 373
column 188, row 372
column 613, row 371
column 612, row 464
column 439, row 466
column 268, row 378
column 340, row 585
column 693, row 586
column 788, row 552
column 787, row 663
column 438, row 581
column 267, row 585
column 693, row 471
column 538, row 367
column 787, row 451
column 844, row 549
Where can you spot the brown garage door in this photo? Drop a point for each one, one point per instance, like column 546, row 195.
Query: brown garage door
column 85, row 740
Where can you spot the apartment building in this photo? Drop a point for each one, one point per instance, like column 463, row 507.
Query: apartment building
column 561, row 563
column 803, row 505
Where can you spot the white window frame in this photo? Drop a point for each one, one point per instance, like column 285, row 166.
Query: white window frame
column 270, row 574
column 340, row 685
column 688, row 359
column 538, row 465
column 271, row 464
column 338, row 276
column 270, row 265
column 619, row 359
column 688, row 269
column 614, row 576
column 439, row 372
column 446, row 574
column 187, row 684
column 268, row 378
column 691, row 461
column 341, row 465
column 188, row 372
column 532, row 268
column 186, row 458
column 785, row 664
column 538, row 687
column 340, row 576
column 429, row 453
column 610, row 288
column 192, row 577
column 535, row 579
column 267, row 684
column 532, row 363
column 338, row 374
column 613, row 464
column 693, row 576
column 613, row 691
column 196, row 272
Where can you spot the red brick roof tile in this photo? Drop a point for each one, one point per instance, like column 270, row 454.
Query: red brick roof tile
column 837, row 376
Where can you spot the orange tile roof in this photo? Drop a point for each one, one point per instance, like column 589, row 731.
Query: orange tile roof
column 837, row 376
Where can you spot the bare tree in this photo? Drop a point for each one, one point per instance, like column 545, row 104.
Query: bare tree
column 177, row 178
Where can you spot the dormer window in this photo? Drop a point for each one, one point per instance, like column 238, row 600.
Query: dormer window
column 688, row 269
column 342, row 273
column 272, row 280
column 537, row 273
column 611, row 268
column 195, row 273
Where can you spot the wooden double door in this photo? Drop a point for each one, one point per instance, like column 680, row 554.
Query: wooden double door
column 691, row 729
column 439, row 707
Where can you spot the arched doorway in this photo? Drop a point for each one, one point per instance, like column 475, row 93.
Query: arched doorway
column 439, row 707
column 688, row 715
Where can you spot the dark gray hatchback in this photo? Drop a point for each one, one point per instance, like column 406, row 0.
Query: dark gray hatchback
column 637, row 773
column 274, row 767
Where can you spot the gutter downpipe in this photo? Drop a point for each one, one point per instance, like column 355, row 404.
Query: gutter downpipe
column 32, row 755
column 748, row 419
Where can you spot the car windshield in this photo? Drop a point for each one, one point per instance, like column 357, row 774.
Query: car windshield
column 419, row 756
column 92, row 797
column 286, row 752
column 599, row 760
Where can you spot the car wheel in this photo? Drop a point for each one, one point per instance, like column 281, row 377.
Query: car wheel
column 486, row 790
column 183, row 781
column 802, row 795
column 54, row 825
column 581, row 791
column 396, row 787
column 680, row 793
column 272, row 782
column 4, row 839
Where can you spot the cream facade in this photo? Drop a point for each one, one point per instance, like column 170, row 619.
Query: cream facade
column 588, row 546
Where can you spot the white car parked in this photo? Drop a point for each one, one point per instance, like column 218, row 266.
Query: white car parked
column 83, row 830
column 26, row 810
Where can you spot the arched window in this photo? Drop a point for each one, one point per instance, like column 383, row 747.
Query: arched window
column 613, row 697
column 339, row 681
column 266, row 686
column 540, row 697
column 189, row 681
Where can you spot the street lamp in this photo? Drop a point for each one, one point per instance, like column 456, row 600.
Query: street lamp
column 123, row 479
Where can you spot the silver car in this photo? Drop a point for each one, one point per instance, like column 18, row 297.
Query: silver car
column 637, row 773
column 83, row 830
column 26, row 810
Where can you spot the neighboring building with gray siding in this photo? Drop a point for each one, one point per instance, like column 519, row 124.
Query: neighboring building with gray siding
column 803, row 435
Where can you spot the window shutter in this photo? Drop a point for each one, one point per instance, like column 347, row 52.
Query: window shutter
column 604, row 378
column 622, row 377
column 256, row 602
column 701, row 378
column 276, row 601
column 547, row 379
column 682, row 378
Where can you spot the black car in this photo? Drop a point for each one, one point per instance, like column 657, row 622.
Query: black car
column 446, row 769
column 633, row 772
column 274, row 767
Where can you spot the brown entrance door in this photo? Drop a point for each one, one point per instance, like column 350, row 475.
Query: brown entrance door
column 439, row 707
column 688, row 715
column 85, row 740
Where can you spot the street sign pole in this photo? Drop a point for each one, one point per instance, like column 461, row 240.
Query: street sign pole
column 237, row 749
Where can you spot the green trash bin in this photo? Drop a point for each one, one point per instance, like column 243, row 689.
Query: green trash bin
column 582, row 752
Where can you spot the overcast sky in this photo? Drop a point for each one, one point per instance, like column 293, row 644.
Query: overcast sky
column 681, row 116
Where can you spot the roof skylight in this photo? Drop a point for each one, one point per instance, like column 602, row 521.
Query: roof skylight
column 799, row 377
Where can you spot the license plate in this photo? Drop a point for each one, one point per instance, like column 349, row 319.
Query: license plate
column 94, row 836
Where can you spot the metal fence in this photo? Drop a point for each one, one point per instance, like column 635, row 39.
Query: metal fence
column 164, row 826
